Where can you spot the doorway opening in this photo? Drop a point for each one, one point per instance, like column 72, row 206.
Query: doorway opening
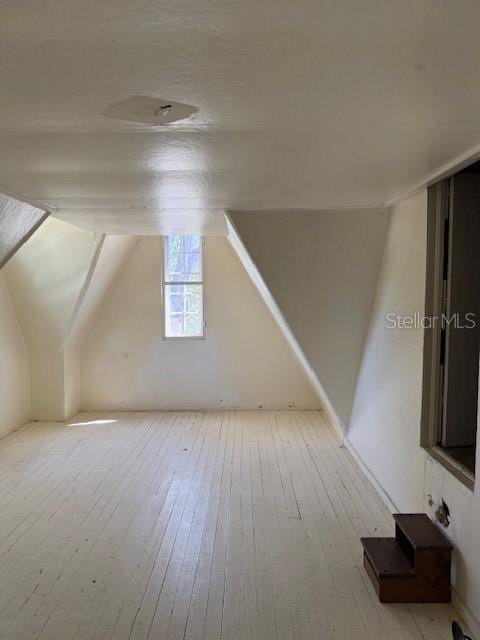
column 452, row 335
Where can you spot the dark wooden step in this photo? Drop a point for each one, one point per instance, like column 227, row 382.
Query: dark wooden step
column 412, row 567
column 387, row 558
column 420, row 532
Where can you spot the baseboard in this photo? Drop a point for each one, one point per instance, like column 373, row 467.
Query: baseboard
column 471, row 620
column 339, row 430
column 371, row 476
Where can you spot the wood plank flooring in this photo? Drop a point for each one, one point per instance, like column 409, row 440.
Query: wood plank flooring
column 222, row 525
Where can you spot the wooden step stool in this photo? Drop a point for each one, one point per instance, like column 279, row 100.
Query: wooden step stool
column 412, row 567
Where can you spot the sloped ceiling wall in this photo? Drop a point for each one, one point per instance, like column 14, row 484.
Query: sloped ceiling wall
column 56, row 286
column 321, row 268
column 44, row 279
column 18, row 220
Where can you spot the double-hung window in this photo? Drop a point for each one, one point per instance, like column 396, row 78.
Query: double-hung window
column 183, row 287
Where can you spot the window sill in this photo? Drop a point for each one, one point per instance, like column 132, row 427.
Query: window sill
column 182, row 338
column 460, row 472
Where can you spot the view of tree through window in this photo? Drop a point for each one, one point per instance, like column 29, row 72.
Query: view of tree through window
column 183, row 286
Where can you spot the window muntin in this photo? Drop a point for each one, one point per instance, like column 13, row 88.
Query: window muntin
column 183, row 286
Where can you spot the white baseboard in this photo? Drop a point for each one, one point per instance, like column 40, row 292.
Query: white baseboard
column 471, row 620
column 338, row 428
column 371, row 476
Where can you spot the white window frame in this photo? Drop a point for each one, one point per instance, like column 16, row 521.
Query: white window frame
column 166, row 283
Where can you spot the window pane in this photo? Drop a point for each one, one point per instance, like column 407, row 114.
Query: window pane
column 194, row 325
column 176, row 303
column 176, row 267
column 191, row 243
column 183, row 259
column 175, row 244
column 192, row 267
column 193, row 299
column 183, row 310
column 176, row 324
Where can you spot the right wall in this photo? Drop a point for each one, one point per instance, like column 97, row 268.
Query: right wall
column 384, row 431
column 385, row 425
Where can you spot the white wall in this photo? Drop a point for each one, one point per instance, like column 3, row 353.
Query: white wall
column 45, row 278
column 111, row 254
column 464, row 531
column 107, row 259
column 243, row 362
column 321, row 268
column 385, row 425
column 14, row 367
column 57, row 280
column 71, row 385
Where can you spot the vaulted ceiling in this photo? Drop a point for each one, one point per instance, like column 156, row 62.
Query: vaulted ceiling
column 310, row 104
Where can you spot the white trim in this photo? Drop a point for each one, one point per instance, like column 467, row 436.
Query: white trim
column 272, row 305
column 472, row 621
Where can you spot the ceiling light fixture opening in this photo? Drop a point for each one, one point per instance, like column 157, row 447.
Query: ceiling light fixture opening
column 148, row 110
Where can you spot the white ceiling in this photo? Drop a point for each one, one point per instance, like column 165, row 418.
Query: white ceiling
column 304, row 104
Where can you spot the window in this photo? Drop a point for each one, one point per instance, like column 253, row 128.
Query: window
column 183, row 287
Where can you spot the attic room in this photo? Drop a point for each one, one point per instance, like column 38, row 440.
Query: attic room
column 239, row 323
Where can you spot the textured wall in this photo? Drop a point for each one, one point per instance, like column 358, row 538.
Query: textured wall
column 17, row 221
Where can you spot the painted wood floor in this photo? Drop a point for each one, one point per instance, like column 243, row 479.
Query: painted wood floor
column 191, row 525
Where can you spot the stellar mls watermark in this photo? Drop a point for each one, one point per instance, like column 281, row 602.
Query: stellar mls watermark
column 418, row 321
